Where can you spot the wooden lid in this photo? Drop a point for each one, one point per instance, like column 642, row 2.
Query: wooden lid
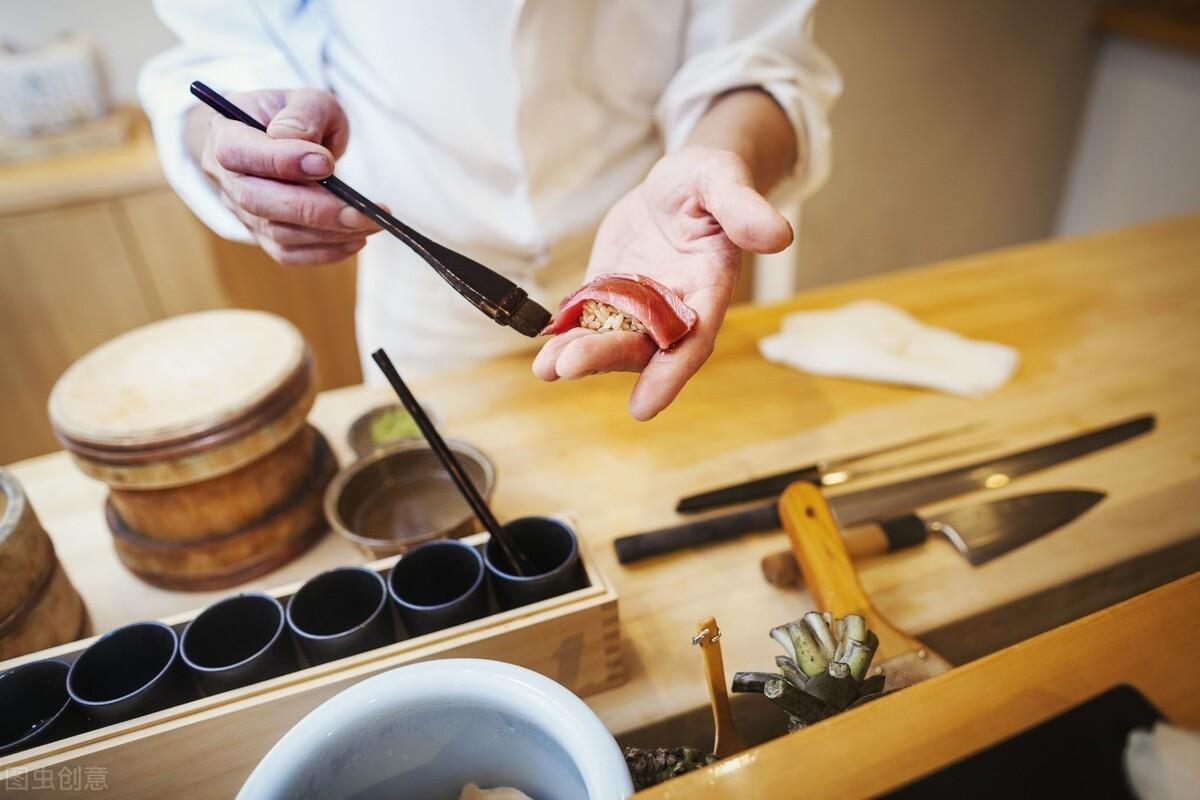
column 176, row 380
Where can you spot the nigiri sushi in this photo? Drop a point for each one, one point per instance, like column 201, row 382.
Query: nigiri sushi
column 626, row 302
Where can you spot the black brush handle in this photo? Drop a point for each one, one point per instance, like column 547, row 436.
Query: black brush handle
column 487, row 290
column 637, row 546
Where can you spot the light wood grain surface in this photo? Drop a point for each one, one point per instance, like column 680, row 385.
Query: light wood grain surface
column 1107, row 326
column 898, row 738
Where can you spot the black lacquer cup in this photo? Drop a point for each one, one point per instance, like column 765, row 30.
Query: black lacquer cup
column 34, row 705
column 437, row 585
column 339, row 613
column 238, row 641
column 128, row 672
column 551, row 548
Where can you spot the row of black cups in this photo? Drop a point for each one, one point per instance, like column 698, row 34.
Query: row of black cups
column 147, row 666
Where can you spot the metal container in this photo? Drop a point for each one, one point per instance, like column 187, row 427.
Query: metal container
column 400, row 496
column 359, row 435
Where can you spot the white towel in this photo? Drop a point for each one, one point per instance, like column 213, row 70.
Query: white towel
column 873, row 341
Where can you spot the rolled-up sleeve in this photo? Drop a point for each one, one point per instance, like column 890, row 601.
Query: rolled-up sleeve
column 232, row 47
column 732, row 44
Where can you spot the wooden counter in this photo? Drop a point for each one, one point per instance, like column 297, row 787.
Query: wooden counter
column 1108, row 326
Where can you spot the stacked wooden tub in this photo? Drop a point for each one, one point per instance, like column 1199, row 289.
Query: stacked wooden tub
column 197, row 425
column 39, row 607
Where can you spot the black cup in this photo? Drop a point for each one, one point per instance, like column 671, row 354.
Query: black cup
column 552, row 550
column 35, row 706
column 238, row 641
column 129, row 672
column 437, row 585
column 339, row 613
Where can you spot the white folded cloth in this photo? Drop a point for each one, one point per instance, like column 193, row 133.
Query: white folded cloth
column 1163, row 764
column 874, row 341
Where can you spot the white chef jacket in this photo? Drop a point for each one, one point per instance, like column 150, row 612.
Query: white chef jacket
column 503, row 129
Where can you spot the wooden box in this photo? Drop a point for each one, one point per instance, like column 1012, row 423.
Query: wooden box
column 207, row 748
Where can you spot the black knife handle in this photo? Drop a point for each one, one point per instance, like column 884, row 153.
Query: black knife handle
column 637, row 546
column 757, row 489
column 904, row 531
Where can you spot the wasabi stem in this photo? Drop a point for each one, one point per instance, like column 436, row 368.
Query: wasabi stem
column 857, row 657
column 820, row 630
column 856, row 628
column 751, row 681
column 791, row 671
column 780, row 634
column 808, row 653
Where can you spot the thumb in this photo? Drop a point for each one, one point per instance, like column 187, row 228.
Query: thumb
column 313, row 115
column 745, row 216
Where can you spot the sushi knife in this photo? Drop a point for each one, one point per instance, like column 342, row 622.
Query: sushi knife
column 980, row 532
column 833, row 472
column 490, row 292
column 881, row 502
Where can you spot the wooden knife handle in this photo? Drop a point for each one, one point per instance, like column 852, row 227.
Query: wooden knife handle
column 826, row 566
column 862, row 541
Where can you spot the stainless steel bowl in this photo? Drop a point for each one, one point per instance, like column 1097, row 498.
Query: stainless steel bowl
column 399, row 496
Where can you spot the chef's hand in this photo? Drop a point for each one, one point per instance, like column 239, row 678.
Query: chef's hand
column 266, row 179
column 686, row 226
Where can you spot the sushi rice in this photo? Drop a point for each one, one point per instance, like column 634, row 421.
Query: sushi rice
column 602, row 317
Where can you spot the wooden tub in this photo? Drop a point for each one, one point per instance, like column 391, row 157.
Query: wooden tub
column 39, row 607
column 197, row 425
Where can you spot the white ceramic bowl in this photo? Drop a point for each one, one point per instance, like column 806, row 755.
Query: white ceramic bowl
column 426, row 730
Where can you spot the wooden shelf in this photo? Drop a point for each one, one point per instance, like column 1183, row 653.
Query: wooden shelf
column 102, row 174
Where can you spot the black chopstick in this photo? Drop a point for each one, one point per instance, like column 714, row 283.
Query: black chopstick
column 490, row 292
column 463, row 481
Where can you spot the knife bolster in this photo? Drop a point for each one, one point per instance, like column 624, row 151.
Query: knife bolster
column 905, row 531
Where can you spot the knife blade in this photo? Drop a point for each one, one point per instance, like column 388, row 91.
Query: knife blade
column 831, row 472
column 881, row 502
column 980, row 531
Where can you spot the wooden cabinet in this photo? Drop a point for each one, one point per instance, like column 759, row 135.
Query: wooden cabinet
column 96, row 244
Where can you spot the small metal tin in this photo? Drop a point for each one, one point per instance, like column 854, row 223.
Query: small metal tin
column 399, row 496
column 359, row 434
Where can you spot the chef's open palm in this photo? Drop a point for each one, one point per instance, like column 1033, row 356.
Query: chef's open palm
column 686, row 226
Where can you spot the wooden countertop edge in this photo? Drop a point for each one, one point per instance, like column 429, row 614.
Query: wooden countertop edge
column 895, row 740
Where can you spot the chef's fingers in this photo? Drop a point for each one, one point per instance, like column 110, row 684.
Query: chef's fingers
column 307, row 205
column 614, row 351
column 314, row 116
column 745, row 216
column 543, row 363
column 306, row 255
column 238, row 148
column 290, row 235
column 668, row 371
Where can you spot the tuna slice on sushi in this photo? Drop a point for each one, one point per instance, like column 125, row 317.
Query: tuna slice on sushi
column 626, row 302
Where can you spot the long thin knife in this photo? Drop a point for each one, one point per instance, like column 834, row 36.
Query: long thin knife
column 881, row 502
column 830, row 472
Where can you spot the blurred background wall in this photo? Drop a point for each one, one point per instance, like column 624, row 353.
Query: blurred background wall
column 965, row 125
